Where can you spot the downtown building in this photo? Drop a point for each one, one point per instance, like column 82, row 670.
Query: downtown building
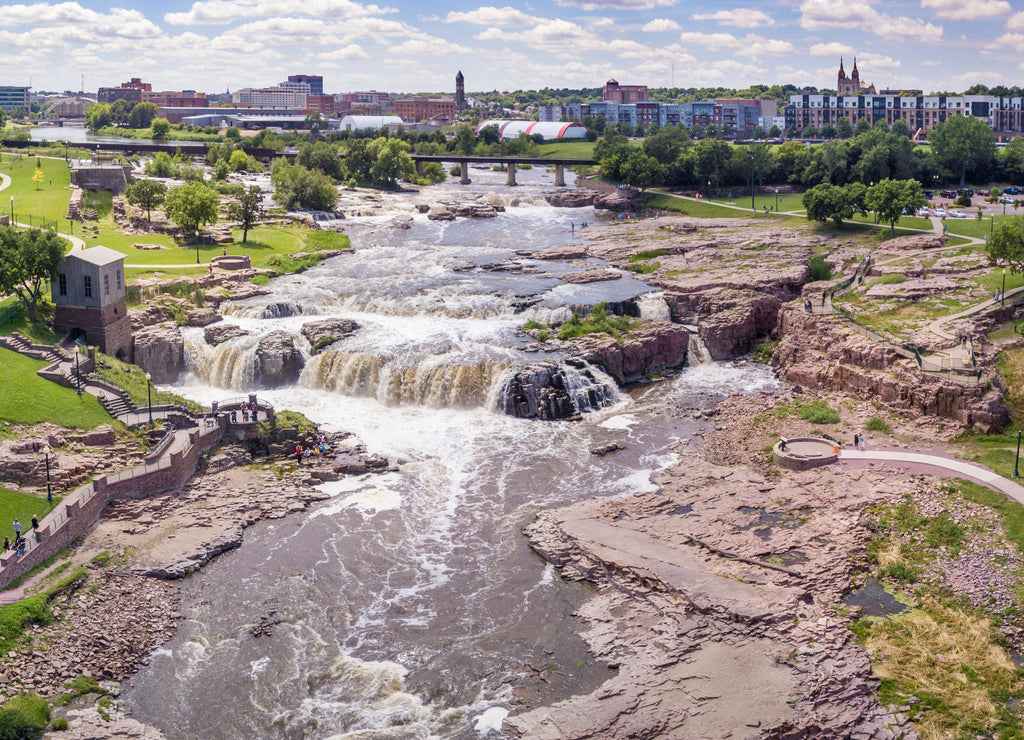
column 737, row 118
column 14, row 98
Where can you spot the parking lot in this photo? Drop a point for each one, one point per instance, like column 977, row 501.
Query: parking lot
column 938, row 200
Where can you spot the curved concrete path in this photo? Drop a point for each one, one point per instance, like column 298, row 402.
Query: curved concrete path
column 935, row 464
column 76, row 243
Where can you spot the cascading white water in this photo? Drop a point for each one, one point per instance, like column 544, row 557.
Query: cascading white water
column 697, row 352
column 654, row 307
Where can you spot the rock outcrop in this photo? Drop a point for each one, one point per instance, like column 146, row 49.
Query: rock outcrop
column 220, row 333
column 336, row 329
column 279, row 360
column 731, row 320
column 618, row 200
column 160, row 351
column 821, row 352
column 649, row 350
column 591, row 276
column 576, row 198
column 548, row 392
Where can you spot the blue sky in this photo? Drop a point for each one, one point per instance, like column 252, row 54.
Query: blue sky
column 414, row 45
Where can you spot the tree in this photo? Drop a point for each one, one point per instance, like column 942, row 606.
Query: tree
column 38, row 177
column 160, row 166
column 28, row 260
column 890, row 198
column 191, row 206
column 142, row 115
column 120, row 110
column 774, row 132
column 296, row 186
column 248, row 210
column 146, row 194
column 828, row 131
column 161, row 127
column 711, row 158
column 1013, row 160
column 862, row 126
column 963, row 143
column 239, row 160
column 319, row 156
column 464, row 141
column 232, row 133
column 827, row 202
column 390, row 161
column 490, row 134
column 98, row 116
column 1006, row 245
column 315, row 123
column 843, row 128
column 641, row 171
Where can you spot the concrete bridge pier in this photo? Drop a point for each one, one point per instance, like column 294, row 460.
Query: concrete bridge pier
column 511, row 174
column 560, row 175
column 419, row 168
column 464, row 173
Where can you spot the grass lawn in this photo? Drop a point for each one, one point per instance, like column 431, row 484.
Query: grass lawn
column 786, row 201
column 21, row 506
column 38, row 332
column 568, row 149
column 133, row 380
column 973, row 227
column 49, row 201
column 907, row 222
column 696, row 209
column 25, row 398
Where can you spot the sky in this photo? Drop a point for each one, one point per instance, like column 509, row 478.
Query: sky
column 417, row 45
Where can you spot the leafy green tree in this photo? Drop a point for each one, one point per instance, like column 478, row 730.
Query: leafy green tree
column 490, row 134
column 160, row 165
column 232, row 133
column 120, row 111
column 191, row 206
column 239, row 161
column 142, row 115
column 900, row 128
column 828, row 131
column 844, row 130
column 321, row 156
column 390, row 162
column 964, row 144
column 221, row 170
column 1013, row 160
column 315, row 123
column 828, row 202
column 98, row 116
column 248, row 210
column 28, row 259
column 160, row 127
column 146, row 194
column 641, row 171
column 666, row 144
column 711, row 159
column 464, row 141
column 862, row 126
column 296, row 186
column 809, row 132
column 1006, row 245
column 890, row 198
column 774, row 132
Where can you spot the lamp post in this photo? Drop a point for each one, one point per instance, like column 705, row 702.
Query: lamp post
column 12, row 211
column 750, row 156
column 78, row 373
column 1002, row 292
column 776, row 200
column 49, row 493
column 1016, row 462
column 197, row 249
column 149, row 398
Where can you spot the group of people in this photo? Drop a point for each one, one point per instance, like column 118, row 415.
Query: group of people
column 312, row 449
column 19, row 540
column 248, row 410
column 859, row 442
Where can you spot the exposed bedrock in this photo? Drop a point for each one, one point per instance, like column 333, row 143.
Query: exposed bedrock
column 279, row 361
column 645, row 352
column 160, row 351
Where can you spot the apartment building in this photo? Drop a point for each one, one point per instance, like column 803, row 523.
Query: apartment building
column 14, row 98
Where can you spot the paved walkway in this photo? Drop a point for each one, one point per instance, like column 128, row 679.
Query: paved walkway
column 933, row 463
column 76, row 243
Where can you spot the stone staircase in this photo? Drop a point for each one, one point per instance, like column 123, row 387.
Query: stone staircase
column 22, row 345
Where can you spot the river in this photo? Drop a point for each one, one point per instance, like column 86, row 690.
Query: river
column 80, row 135
column 409, row 605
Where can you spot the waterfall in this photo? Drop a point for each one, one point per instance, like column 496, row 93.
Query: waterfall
column 589, row 387
column 697, row 352
column 653, row 306
column 555, row 391
column 228, row 365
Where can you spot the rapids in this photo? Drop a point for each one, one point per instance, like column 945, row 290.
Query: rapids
column 409, row 605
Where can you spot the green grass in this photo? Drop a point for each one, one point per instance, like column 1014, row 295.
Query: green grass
column 906, row 222
column 971, row 226
column 877, row 424
column 893, row 278
column 133, row 380
column 993, row 280
column 786, row 201
column 1010, row 512
column 818, row 412
column 49, row 201
column 568, row 150
column 25, row 398
column 595, row 322
column 696, row 209
column 24, row 717
column 33, row 609
column 38, row 332
column 21, row 506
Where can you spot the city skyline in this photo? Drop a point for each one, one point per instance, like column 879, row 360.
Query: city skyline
column 408, row 46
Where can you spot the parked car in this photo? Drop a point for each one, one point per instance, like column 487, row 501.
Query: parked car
column 929, row 194
column 957, row 213
column 948, row 194
column 1012, row 190
column 940, row 213
column 984, row 193
column 1007, row 199
column 924, row 212
column 968, row 191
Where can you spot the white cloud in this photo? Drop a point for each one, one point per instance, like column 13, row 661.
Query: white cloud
column 819, row 15
column 352, row 51
column 219, row 12
column 491, row 16
column 423, row 46
column 751, row 44
column 590, row 5
column 965, row 10
column 661, row 24
column 1013, row 41
column 739, row 17
column 711, row 41
column 1016, row 22
column 831, row 49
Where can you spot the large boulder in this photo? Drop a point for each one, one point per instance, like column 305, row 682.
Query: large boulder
column 160, row 351
column 646, row 351
column 618, row 200
column 571, row 198
column 279, row 360
column 220, row 333
column 334, row 329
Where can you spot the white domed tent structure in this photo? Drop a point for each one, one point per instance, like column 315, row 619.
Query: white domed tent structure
column 548, row 129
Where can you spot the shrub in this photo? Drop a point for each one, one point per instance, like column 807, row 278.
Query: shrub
column 260, row 280
column 877, row 424
column 596, row 322
column 764, row 351
column 531, row 324
column 944, row 532
column 819, row 269
column 61, row 723
column 819, row 412
column 24, row 717
column 891, row 279
column 900, row 572
column 645, row 268
column 543, row 336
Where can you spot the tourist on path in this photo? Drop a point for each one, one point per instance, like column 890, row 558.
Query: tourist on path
column 298, row 454
column 17, row 530
column 7, row 544
column 856, row 441
column 35, row 522
column 863, row 443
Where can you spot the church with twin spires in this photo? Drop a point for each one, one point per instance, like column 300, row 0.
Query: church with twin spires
column 852, row 85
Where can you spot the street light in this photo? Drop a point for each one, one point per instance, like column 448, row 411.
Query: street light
column 750, row 156
column 78, row 373
column 149, row 398
column 776, row 200
column 49, row 493
column 1016, row 462
column 197, row 249
column 1002, row 292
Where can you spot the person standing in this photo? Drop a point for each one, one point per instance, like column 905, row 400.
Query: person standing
column 856, row 441
column 863, row 443
column 17, row 530
column 298, row 454
column 35, row 522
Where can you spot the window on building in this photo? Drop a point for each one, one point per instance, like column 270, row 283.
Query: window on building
column 106, row 285
column 87, row 286
column 117, row 276
column 62, row 284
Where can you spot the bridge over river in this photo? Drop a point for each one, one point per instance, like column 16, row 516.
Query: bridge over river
column 508, row 161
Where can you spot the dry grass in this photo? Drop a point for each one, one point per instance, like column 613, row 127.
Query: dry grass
column 949, row 659
column 889, row 553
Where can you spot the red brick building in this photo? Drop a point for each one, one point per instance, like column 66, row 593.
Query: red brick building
column 616, row 93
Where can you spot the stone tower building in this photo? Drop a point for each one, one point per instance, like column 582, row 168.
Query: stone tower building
column 852, row 85
column 460, row 92
column 89, row 294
